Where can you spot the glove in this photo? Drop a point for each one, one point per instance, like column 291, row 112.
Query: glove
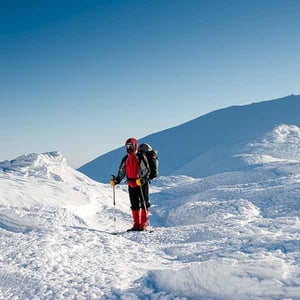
column 113, row 182
column 138, row 181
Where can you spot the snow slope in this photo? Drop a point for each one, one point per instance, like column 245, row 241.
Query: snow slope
column 207, row 145
column 232, row 235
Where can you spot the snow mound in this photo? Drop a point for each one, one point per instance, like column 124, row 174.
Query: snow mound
column 282, row 144
column 286, row 134
column 194, row 212
column 49, row 165
column 259, row 278
column 45, row 183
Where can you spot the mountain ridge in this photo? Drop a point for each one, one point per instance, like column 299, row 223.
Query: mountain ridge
column 200, row 140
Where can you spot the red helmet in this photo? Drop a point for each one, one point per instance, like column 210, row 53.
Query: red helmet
column 131, row 145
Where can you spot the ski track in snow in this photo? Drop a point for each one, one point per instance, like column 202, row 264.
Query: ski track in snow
column 228, row 236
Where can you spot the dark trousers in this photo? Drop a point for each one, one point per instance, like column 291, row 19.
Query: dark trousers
column 137, row 199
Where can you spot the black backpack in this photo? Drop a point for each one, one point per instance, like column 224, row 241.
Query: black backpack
column 152, row 158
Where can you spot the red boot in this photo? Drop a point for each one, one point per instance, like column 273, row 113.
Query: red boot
column 144, row 218
column 136, row 220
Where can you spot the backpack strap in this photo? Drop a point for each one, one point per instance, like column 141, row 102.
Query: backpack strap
column 144, row 165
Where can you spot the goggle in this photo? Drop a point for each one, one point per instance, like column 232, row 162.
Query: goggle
column 130, row 146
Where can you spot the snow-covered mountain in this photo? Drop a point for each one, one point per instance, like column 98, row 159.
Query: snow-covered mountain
column 209, row 144
column 232, row 235
column 46, row 179
column 50, row 166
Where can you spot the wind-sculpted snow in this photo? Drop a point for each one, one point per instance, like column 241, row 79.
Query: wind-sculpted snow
column 256, row 278
column 282, row 144
column 228, row 236
column 50, row 165
column 8, row 222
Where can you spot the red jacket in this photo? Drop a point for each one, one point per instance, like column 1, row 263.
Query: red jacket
column 134, row 166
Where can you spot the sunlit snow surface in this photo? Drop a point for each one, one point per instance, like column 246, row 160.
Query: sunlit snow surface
column 229, row 236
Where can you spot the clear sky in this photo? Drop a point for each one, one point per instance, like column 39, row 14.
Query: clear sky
column 80, row 77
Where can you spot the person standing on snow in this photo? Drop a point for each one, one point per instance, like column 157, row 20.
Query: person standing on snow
column 135, row 167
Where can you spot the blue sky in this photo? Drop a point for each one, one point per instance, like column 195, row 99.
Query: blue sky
column 82, row 76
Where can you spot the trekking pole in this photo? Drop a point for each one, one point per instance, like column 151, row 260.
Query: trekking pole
column 114, row 199
column 114, row 202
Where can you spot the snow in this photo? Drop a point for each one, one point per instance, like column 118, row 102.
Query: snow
column 281, row 144
column 233, row 235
